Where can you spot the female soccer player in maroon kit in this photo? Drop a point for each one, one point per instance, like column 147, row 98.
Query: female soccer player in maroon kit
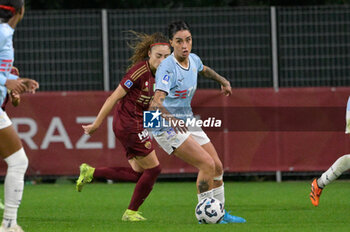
column 132, row 96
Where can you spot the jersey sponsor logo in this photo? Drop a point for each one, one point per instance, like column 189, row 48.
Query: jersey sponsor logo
column 144, row 135
column 165, row 79
column 128, row 84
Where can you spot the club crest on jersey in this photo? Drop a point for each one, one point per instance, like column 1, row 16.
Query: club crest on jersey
column 145, row 89
column 165, row 79
column 148, row 145
column 128, row 84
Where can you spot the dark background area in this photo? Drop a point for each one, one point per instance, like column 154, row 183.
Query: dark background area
column 129, row 4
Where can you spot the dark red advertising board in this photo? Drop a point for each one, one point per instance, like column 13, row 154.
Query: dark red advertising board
column 294, row 129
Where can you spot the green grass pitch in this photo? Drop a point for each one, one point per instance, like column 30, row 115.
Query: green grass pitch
column 267, row 206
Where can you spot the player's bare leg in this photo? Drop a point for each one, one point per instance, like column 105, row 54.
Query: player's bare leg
column 10, row 142
column 192, row 153
column 218, row 189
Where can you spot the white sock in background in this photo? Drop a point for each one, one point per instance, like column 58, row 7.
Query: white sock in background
column 340, row 165
column 14, row 183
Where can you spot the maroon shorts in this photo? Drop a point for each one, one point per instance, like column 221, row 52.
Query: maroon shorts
column 135, row 144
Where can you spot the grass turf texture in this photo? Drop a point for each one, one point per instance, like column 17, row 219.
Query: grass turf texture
column 267, row 206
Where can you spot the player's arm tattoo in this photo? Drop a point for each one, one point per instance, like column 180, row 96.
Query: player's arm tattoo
column 211, row 74
column 158, row 99
column 157, row 104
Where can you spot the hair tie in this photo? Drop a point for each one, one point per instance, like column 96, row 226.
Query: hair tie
column 159, row 44
column 9, row 8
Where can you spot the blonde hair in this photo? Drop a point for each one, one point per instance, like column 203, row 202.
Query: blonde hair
column 141, row 44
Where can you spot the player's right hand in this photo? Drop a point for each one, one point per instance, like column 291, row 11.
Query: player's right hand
column 89, row 129
column 15, row 98
column 15, row 86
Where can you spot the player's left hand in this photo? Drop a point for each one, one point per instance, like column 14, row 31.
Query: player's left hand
column 89, row 129
column 31, row 84
column 226, row 90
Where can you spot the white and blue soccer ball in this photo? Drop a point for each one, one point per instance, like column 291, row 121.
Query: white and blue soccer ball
column 209, row 211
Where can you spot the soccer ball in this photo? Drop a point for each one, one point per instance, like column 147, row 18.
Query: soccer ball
column 210, row 211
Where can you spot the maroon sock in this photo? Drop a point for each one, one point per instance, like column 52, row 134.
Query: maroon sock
column 144, row 187
column 117, row 174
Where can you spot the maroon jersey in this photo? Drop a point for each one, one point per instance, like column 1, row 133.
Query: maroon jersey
column 139, row 84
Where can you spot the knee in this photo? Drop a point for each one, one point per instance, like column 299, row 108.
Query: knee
column 155, row 171
column 208, row 166
column 219, row 170
column 346, row 157
column 345, row 160
column 18, row 161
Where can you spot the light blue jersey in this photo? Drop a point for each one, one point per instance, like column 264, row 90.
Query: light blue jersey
column 347, row 128
column 6, row 59
column 180, row 85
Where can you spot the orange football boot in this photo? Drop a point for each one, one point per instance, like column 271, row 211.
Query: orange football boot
column 315, row 193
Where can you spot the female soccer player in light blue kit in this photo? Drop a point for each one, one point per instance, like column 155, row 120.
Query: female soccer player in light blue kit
column 11, row 150
column 176, row 82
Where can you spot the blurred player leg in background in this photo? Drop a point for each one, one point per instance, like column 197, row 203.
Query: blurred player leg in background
column 339, row 167
column 2, row 206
